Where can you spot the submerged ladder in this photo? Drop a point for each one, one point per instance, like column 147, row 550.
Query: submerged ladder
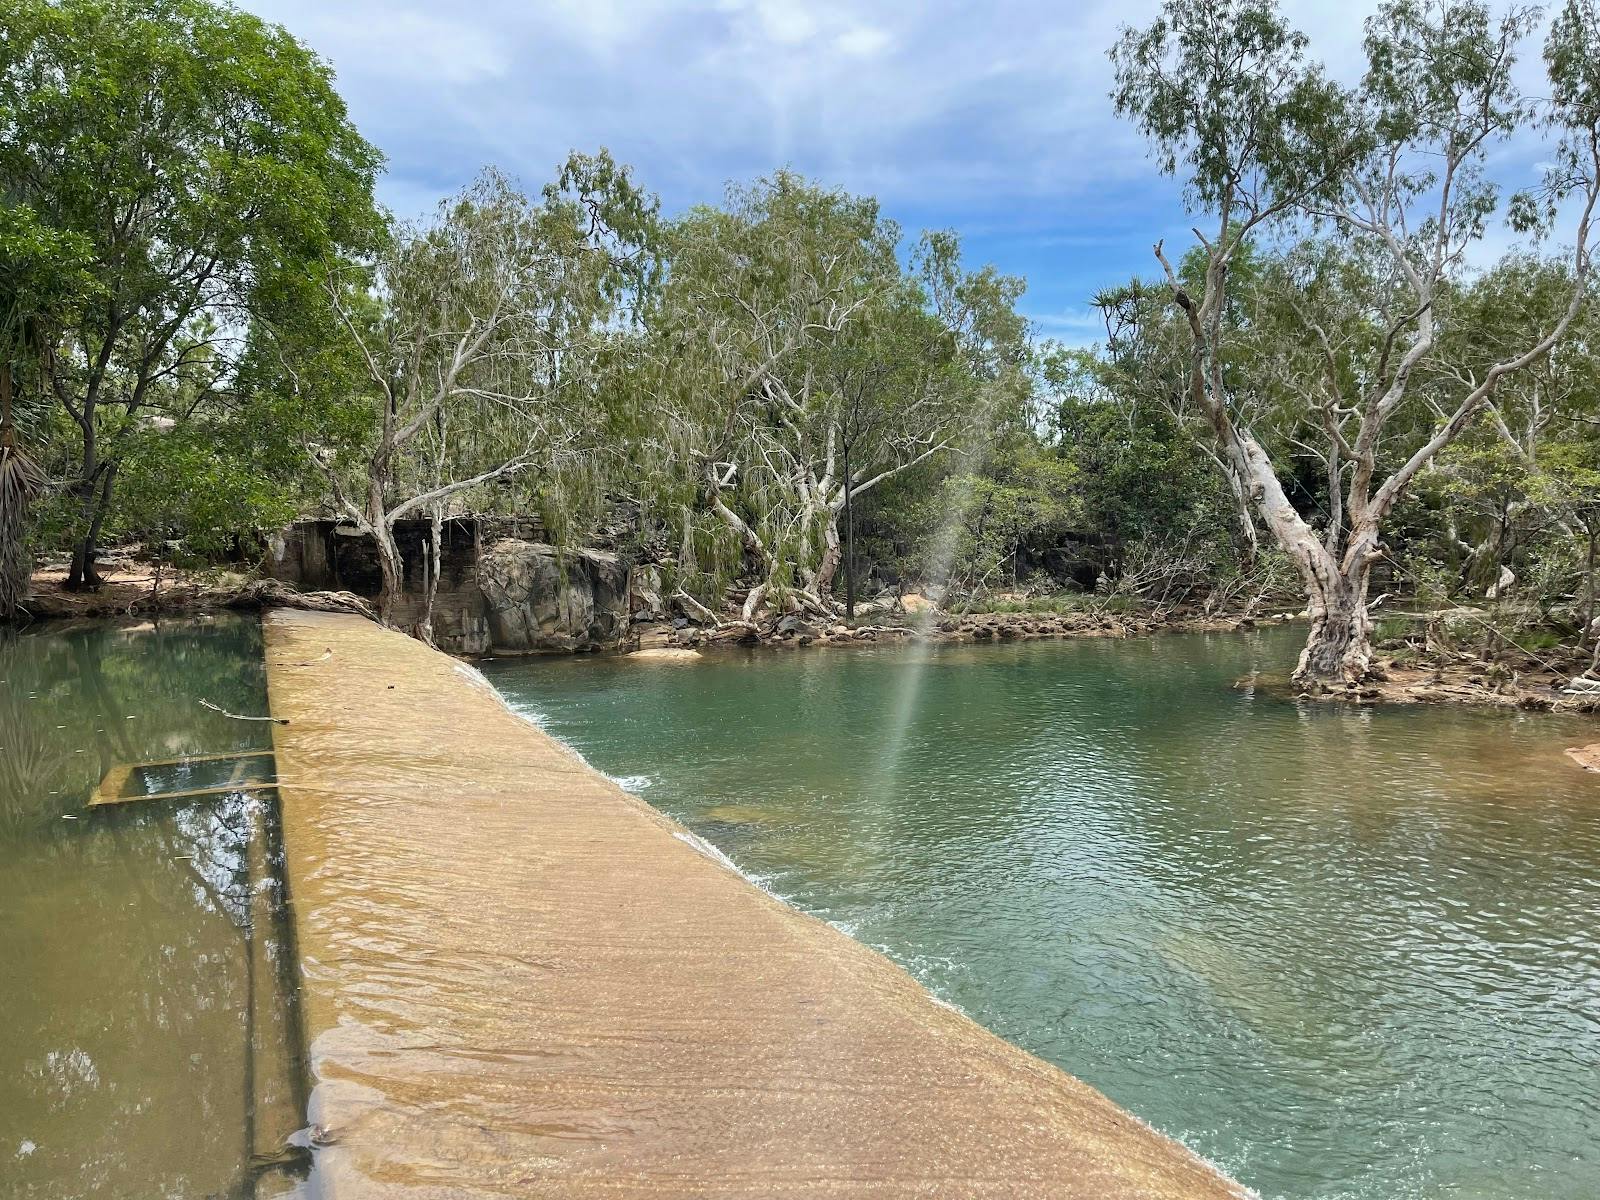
column 246, row 774
column 275, row 1083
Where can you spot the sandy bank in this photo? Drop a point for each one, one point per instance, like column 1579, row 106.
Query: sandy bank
column 519, row 980
column 1587, row 757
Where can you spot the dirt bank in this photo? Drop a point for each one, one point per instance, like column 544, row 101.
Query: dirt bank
column 138, row 589
column 1465, row 682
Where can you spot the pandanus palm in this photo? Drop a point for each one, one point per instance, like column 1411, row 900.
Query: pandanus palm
column 21, row 480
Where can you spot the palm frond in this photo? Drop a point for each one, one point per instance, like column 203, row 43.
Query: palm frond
column 21, row 481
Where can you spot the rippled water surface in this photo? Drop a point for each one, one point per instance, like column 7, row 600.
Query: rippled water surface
column 1343, row 953
column 145, row 1035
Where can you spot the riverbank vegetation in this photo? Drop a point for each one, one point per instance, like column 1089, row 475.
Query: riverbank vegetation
column 1336, row 399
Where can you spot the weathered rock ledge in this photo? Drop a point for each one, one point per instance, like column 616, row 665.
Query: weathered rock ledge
column 1587, row 757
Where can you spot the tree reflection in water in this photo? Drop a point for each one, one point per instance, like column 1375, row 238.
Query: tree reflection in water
column 141, row 944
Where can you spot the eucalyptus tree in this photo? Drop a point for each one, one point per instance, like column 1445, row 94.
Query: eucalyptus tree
column 200, row 164
column 931, row 369
column 477, row 346
column 804, row 366
column 1521, row 490
column 1500, row 477
column 1392, row 176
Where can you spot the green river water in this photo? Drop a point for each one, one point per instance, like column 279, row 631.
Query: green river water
column 1343, row 953
column 142, row 950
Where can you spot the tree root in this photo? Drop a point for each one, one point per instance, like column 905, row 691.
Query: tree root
column 271, row 593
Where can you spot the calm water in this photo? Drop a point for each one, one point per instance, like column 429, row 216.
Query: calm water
column 145, row 1041
column 1342, row 953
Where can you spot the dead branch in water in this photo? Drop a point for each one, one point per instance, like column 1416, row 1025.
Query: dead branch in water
column 237, row 717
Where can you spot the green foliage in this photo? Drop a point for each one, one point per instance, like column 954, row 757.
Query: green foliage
column 182, row 146
column 791, row 350
column 1140, row 473
column 43, row 273
column 183, row 170
column 981, row 527
column 1227, row 99
column 213, row 488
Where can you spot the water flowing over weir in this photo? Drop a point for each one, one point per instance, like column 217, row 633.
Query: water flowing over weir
column 520, row 980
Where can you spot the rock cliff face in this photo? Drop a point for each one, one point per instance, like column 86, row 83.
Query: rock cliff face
column 537, row 601
column 496, row 594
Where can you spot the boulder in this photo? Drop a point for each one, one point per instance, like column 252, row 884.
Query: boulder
column 794, row 624
column 540, row 600
column 655, row 636
column 644, row 594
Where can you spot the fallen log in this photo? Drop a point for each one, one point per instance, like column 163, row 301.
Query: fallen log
column 273, row 593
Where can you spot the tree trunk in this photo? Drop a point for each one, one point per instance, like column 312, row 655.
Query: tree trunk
column 435, row 554
column 96, row 492
column 753, row 601
column 1338, row 649
column 849, row 542
column 1589, row 629
column 82, row 575
column 20, row 482
column 393, row 568
column 822, row 582
column 831, row 557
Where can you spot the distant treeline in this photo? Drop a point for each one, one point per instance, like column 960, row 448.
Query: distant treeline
column 210, row 327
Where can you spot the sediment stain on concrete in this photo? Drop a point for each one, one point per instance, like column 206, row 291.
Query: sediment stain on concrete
column 518, row 980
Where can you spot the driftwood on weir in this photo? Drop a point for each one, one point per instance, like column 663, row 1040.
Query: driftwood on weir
column 271, row 593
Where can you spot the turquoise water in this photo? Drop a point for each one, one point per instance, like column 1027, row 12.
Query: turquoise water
column 1343, row 953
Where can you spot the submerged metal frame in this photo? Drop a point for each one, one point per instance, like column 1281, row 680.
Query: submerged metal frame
column 109, row 789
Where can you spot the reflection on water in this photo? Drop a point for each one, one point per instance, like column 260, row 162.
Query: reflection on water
column 142, row 955
column 1344, row 953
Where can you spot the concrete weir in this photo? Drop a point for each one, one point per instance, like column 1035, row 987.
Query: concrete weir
column 518, row 980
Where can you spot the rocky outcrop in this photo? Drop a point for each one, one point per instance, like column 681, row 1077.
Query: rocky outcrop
column 538, row 600
column 644, row 594
column 496, row 594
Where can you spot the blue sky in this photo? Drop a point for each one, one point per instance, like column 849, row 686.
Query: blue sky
column 990, row 119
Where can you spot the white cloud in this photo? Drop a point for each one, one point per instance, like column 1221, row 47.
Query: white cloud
column 862, row 42
column 917, row 102
column 408, row 46
column 1075, row 320
column 786, row 23
column 993, row 119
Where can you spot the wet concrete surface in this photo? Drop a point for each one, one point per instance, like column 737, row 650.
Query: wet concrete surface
column 518, row 980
